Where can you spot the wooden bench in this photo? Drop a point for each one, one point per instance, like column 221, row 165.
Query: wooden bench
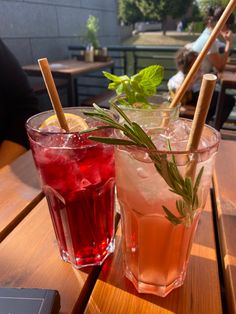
column 102, row 100
column 228, row 134
column 227, row 81
column 224, row 187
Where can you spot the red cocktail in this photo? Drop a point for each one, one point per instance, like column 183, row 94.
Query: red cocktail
column 77, row 176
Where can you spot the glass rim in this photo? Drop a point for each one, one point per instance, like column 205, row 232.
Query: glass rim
column 42, row 131
column 186, row 152
column 154, row 108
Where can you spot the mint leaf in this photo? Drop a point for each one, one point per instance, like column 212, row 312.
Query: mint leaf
column 147, row 88
column 120, row 89
column 153, row 74
column 112, row 77
column 138, row 87
column 113, row 86
column 115, row 78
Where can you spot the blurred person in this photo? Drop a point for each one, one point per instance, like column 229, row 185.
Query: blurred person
column 184, row 61
column 191, row 28
column 215, row 61
column 180, row 26
column 17, row 104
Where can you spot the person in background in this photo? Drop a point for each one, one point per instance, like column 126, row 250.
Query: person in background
column 215, row 61
column 191, row 28
column 184, row 60
column 17, row 104
column 179, row 26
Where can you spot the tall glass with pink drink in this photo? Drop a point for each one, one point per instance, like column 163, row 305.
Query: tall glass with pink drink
column 155, row 249
column 77, row 177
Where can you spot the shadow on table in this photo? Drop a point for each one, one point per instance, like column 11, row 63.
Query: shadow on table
column 24, row 169
column 201, row 284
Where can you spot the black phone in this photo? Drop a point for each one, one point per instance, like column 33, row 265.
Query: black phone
column 29, row 301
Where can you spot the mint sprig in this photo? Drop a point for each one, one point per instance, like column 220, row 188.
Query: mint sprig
column 187, row 190
column 134, row 91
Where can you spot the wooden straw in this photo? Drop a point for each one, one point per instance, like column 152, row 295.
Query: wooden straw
column 228, row 10
column 52, row 92
column 204, row 100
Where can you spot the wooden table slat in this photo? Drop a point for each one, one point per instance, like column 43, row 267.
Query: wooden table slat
column 19, row 192
column 224, row 187
column 29, row 258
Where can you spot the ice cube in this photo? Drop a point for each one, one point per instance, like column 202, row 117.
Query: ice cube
column 51, row 140
column 176, row 136
column 85, row 183
column 71, row 140
column 52, row 129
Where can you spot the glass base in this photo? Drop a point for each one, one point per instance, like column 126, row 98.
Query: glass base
column 89, row 261
column 159, row 290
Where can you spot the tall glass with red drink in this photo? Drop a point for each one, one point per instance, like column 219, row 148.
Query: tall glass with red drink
column 77, row 177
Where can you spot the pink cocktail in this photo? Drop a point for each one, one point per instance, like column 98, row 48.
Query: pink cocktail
column 77, row 177
column 156, row 251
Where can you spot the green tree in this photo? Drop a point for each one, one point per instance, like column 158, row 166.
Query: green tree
column 160, row 9
column 152, row 10
column 92, row 27
column 196, row 15
column 129, row 13
column 205, row 4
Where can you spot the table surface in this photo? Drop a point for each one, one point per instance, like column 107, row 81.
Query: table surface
column 29, row 256
column 70, row 67
column 69, row 70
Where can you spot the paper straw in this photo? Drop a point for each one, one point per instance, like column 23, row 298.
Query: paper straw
column 228, row 10
column 204, row 100
column 52, row 92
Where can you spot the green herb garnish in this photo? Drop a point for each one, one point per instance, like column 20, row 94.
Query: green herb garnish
column 134, row 91
column 184, row 187
column 92, row 28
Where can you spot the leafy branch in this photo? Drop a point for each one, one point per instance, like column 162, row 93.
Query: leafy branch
column 92, row 27
column 134, row 91
column 187, row 205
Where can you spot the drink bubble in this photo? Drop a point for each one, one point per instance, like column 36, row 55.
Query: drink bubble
column 142, row 173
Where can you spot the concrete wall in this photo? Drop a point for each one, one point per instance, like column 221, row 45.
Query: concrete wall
column 34, row 29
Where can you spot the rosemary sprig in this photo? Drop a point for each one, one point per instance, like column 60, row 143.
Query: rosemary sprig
column 187, row 205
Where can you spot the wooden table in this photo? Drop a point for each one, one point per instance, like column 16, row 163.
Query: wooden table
column 227, row 81
column 29, row 256
column 70, row 70
column 224, row 187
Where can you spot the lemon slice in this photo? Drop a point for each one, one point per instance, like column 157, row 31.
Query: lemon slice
column 75, row 123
